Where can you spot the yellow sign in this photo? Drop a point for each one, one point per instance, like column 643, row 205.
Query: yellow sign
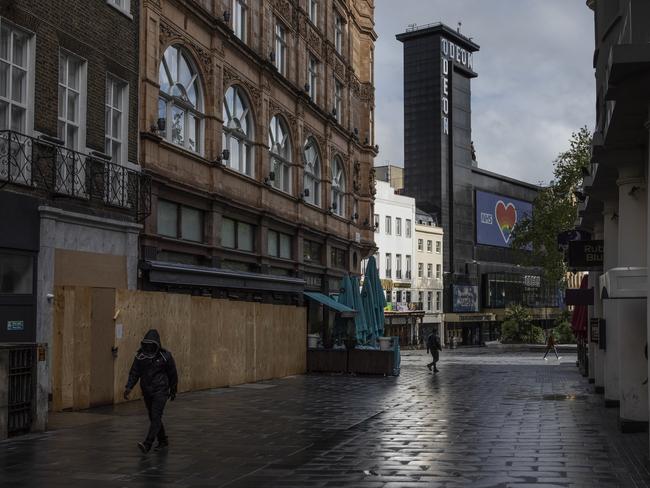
column 387, row 284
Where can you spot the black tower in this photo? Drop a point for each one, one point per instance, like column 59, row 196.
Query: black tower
column 438, row 68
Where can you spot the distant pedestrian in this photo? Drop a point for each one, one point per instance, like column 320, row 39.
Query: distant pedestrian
column 434, row 347
column 551, row 344
column 156, row 370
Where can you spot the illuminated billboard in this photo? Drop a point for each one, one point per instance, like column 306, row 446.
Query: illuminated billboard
column 497, row 216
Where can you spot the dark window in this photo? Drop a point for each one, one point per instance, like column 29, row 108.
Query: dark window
column 279, row 244
column 338, row 257
column 16, row 274
column 179, row 221
column 312, row 252
column 237, row 235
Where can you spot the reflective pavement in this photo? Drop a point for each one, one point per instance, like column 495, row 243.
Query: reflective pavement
column 486, row 420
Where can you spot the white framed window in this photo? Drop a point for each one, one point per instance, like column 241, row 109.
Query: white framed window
column 72, row 101
column 116, row 120
column 376, row 222
column 429, row 270
column 338, row 100
column 122, row 5
column 240, row 19
column 420, row 270
column 437, row 247
column 389, row 265
column 438, row 301
column 408, row 228
column 312, row 7
column 180, row 104
column 387, row 225
column 280, row 150
column 429, row 246
column 438, row 271
column 71, row 129
column 281, row 47
column 429, row 300
column 398, row 226
column 312, row 78
column 338, row 186
column 338, row 33
column 420, row 244
column 408, row 267
column 312, row 174
column 16, row 101
column 237, row 135
column 398, row 266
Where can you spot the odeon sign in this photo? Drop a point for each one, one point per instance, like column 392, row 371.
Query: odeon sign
column 461, row 56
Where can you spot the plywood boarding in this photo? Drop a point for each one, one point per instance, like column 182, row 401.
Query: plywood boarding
column 78, row 268
column 102, row 341
column 214, row 342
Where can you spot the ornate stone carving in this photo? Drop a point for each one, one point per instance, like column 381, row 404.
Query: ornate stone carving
column 152, row 4
column 276, row 108
column 284, row 8
column 168, row 34
column 372, row 181
column 314, row 41
column 322, row 147
column 231, row 77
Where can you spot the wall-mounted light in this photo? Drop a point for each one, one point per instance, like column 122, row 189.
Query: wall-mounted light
column 272, row 56
column 223, row 157
column 633, row 190
column 269, row 178
column 306, row 87
column 226, row 16
column 161, row 124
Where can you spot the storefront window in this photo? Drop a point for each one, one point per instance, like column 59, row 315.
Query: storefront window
column 16, row 274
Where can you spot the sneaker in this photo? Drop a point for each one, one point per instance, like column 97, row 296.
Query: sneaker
column 161, row 445
column 429, row 366
column 545, row 359
column 144, row 447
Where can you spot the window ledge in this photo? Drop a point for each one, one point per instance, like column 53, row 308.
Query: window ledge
column 176, row 240
column 122, row 11
column 186, row 152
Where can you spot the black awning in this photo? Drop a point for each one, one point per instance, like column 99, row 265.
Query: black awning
column 201, row 276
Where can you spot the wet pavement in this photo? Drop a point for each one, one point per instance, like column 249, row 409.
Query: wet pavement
column 486, row 420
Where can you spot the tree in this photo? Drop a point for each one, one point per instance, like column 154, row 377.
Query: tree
column 518, row 328
column 555, row 209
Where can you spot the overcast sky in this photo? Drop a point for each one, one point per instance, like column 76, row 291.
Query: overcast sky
column 535, row 80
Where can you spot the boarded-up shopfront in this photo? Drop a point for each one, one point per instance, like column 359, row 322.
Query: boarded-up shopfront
column 215, row 342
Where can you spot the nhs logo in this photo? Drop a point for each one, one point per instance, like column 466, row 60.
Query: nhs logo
column 486, row 218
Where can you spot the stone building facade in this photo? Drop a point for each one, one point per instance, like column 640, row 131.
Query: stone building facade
column 256, row 125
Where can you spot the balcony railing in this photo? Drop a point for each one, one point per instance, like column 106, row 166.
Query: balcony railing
column 45, row 164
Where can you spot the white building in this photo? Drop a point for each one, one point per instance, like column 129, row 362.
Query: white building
column 427, row 275
column 394, row 231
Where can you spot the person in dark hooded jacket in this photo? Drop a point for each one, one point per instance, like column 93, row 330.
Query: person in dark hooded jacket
column 434, row 347
column 154, row 367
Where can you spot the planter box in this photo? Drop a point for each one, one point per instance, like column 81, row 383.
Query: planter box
column 357, row 361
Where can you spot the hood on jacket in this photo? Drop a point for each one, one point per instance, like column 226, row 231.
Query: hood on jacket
column 150, row 344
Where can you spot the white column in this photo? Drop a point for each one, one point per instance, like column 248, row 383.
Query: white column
column 632, row 314
column 610, row 307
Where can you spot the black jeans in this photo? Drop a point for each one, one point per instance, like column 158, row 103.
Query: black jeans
column 435, row 358
column 155, row 406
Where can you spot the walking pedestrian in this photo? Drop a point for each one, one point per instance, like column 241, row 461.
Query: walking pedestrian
column 154, row 367
column 551, row 344
column 434, row 347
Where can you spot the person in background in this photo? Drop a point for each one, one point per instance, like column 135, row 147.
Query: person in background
column 154, row 367
column 551, row 344
column 434, row 347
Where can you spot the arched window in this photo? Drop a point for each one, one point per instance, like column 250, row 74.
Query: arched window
column 312, row 176
column 338, row 186
column 238, row 131
column 180, row 117
column 280, row 149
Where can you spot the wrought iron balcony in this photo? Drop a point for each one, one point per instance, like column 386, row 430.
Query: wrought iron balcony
column 47, row 166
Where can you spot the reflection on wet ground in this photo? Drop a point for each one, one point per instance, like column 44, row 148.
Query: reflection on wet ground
column 486, row 420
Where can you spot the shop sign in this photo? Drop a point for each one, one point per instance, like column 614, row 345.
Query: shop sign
column 15, row 325
column 387, row 284
column 465, row 298
column 313, row 281
column 594, row 326
column 586, row 255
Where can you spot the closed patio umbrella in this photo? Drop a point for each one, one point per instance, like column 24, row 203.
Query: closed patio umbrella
column 360, row 322
column 374, row 300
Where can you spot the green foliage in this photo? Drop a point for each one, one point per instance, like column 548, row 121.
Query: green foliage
column 562, row 330
column 518, row 328
column 555, row 209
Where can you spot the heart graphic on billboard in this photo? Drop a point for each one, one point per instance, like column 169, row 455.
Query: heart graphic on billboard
column 506, row 216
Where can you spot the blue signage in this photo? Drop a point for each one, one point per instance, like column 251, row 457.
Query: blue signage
column 497, row 216
column 465, row 298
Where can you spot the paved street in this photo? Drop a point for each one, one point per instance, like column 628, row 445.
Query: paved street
column 486, row 420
